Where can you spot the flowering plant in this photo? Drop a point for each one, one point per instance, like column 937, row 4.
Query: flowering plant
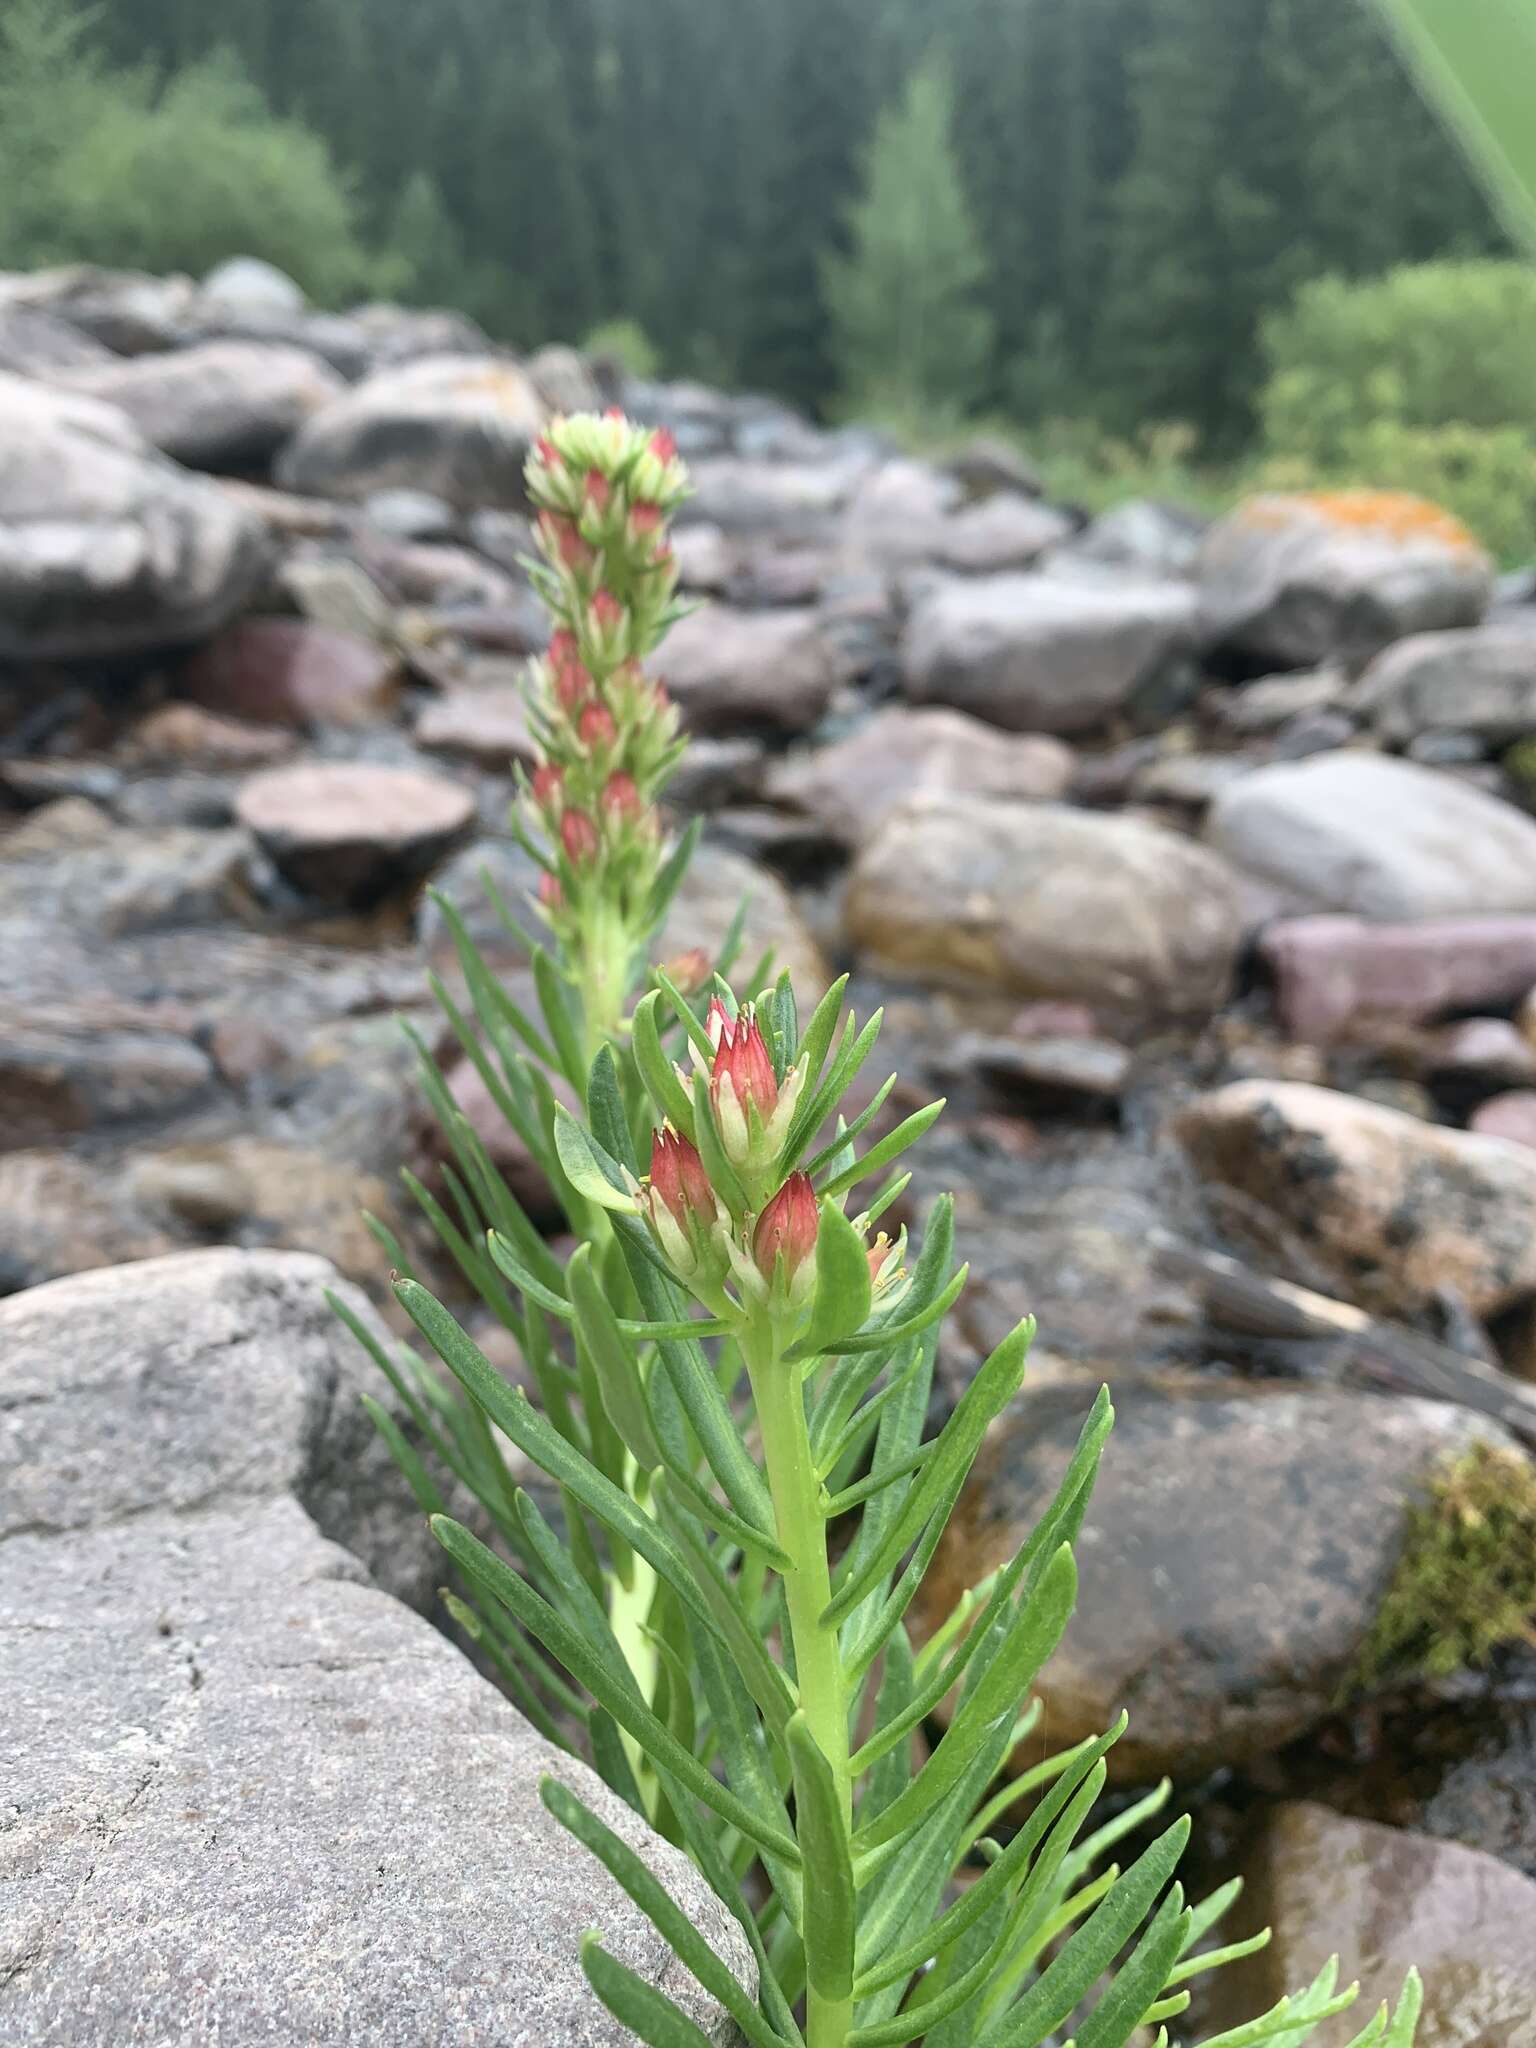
column 733, row 1373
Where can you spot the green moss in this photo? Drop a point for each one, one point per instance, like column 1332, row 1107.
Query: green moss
column 1466, row 1581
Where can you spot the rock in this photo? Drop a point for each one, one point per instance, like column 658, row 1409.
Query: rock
column 1313, row 732
column 1142, row 534
column 458, row 426
column 405, row 514
column 34, row 344
column 181, row 733
column 250, row 1716
column 339, row 594
column 1232, row 1558
column 706, row 560
column 124, row 310
column 247, row 285
column 291, row 672
column 1274, row 701
column 428, row 573
column 1049, row 1072
column 1382, row 838
column 123, row 881
column 1488, row 1800
column 1486, row 1051
column 1040, row 900
column 1394, row 1209
column 350, row 832
column 730, row 670
column 1336, row 974
column 78, row 1069
column 1005, row 531
column 412, row 334
column 1510, row 1116
column 989, row 463
column 1188, row 781
column 218, row 405
column 1481, row 683
column 1315, row 577
column 1041, row 653
column 106, row 548
column 563, row 381
column 1386, row 1901
column 59, row 1214
column 767, row 497
column 714, row 773
column 1447, row 750
column 899, row 754
column 488, row 726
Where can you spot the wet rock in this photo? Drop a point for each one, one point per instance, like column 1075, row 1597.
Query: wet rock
column 291, row 672
column 82, row 1068
column 488, row 726
column 1237, row 1544
column 1044, row 901
column 106, row 548
column 1480, row 683
column 218, row 405
column 458, row 426
column 1382, row 838
column 250, row 286
column 1510, row 1116
column 1041, row 653
column 899, row 754
column 1386, row 1900
column 731, row 670
column 1392, row 1208
column 351, row 832
column 1315, row 577
column 250, row 1715
column 1336, row 974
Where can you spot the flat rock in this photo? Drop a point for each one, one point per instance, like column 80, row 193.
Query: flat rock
column 1394, row 1209
column 292, row 672
column 458, row 426
column 1232, row 1558
column 217, row 405
column 488, row 726
column 107, row 548
column 1479, row 683
column 1040, row 900
column 1336, row 575
column 850, row 785
column 183, row 735
column 1042, row 653
column 1382, row 838
column 1386, row 1900
column 350, row 832
column 1337, row 974
column 731, row 670
column 277, row 1793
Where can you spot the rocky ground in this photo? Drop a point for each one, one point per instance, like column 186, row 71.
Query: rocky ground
column 1197, row 868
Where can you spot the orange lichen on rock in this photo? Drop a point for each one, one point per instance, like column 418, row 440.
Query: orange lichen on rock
column 1395, row 515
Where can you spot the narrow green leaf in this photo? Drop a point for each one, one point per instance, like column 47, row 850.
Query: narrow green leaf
column 583, row 1162
column 723, row 1521
column 672, row 1099
column 555, row 1002
column 606, row 1114
column 542, row 1620
column 1126, row 2003
column 613, row 1360
column 876, row 1338
column 842, row 1297
column 428, row 1499
column 828, row 1928
column 743, row 1638
column 877, row 1481
column 1405, row 2019
column 505, row 1256
column 891, row 1147
column 669, row 881
column 659, row 1907
column 847, row 1133
column 686, row 1015
column 647, row 2012
column 818, row 1034
column 994, row 1386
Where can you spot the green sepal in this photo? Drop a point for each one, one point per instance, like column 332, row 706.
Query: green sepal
column 843, row 1287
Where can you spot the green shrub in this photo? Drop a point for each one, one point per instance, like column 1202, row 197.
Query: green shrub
column 626, row 343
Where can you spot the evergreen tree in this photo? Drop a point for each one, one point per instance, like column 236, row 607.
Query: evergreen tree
column 908, row 328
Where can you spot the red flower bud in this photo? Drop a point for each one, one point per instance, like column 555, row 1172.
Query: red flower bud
column 548, row 453
column 663, row 445
column 644, row 518
column 607, row 612
column 551, row 895
column 787, row 1228
column 718, row 1022
column 563, row 649
column 597, row 490
column 578, row 835
column 561, row 535
column 596, row 727
column 621, row 797
column 573, row 685
column 547, row 781
column 678, row 1177
column 614, row 412
column 690, row 970
column 741, row 1055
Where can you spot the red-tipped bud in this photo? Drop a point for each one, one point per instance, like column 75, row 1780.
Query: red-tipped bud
column 689, row 971
column 597, row 490
column 573, row 686
column 741, row 1056
column 563, row 649
column 551, row 895
column 578, row 835
column 718, row 1022
column 562, row 538
column 621, row 797
column 595, row 727
column 663, row 445
column 614, row 412
column 607, row 612
column 678, row 1177
column 644, row 519
column 547, row 781
column 787, row 1228
column 548, row 453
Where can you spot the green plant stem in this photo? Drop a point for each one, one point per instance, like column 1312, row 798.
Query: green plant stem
column 777, row 1390
column 601, row 969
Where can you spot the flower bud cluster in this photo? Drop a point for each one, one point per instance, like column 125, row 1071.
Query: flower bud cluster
column 603, row 491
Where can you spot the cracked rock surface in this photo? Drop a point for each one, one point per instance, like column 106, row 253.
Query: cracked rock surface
column 246, row 1795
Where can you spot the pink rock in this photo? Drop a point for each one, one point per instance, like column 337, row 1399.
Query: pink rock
column 288, row 672
column 1336, row 972
column 1055, row 1020
column 1511, row 1116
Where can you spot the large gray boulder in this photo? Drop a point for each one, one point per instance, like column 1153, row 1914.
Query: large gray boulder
column 106, row 548
column 459, row 426
column 253, row 1798
column 218, row 404
column 1041, row 653
column 1041, row 900
column 1316, row 577
column 1383, row 838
